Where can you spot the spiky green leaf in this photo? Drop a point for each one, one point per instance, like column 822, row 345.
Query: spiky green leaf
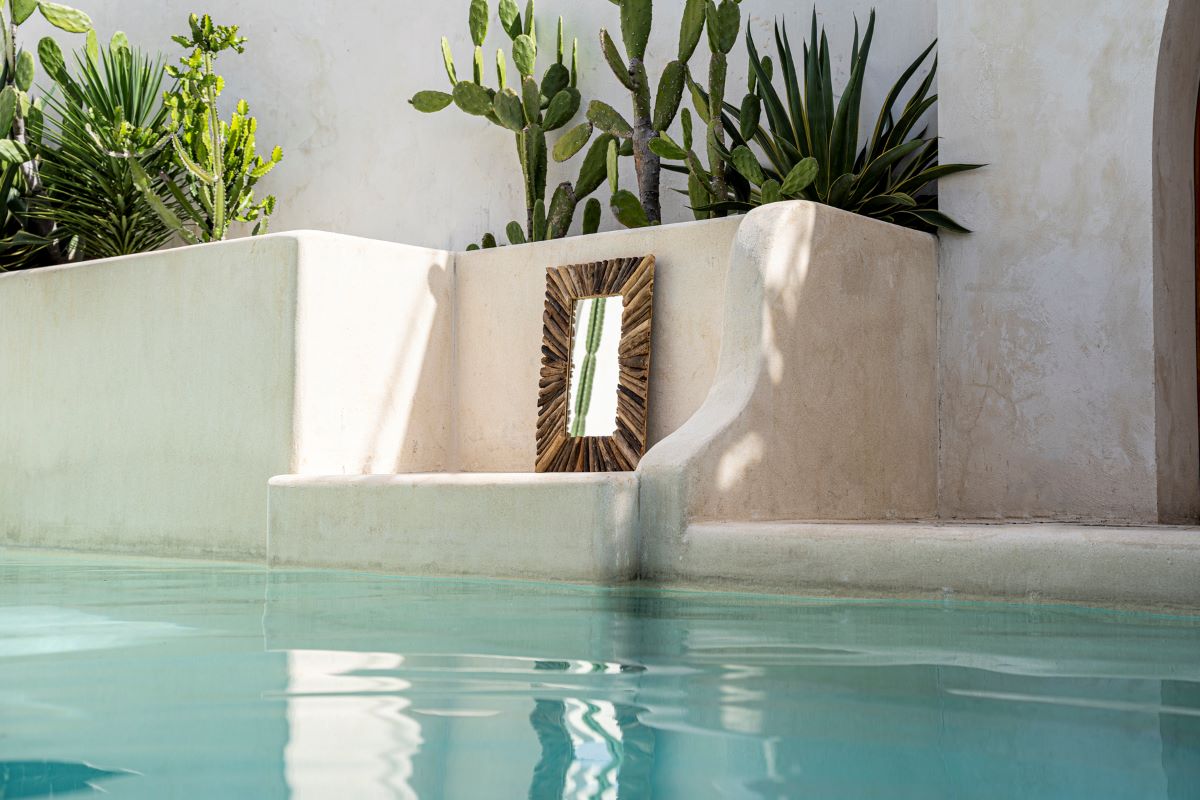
column 23, row 9
column 510, row 18
column 430, row 101
column 65, row 18
column 607, row 119
column 664, row 147
column 51, row 56
column 524, row 52
column 508, row 109
column 591, row 216
column 800, row 177
column 770, row 192
column 594, row 167
column 670, row 92
column 563, row 106
column 745, row 162
column 448, row 62
column 477, row 20
column 636, row 19
column 23, row 74
column 572, row 141
column 613, row 56
column 628, row 209
column 515, row 233
column 472, row 98
column 691, row 28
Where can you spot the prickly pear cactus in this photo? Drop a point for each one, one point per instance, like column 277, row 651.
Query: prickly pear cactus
column 709, row 186
column 527, row 107
column 654, row 108
column 26, row 241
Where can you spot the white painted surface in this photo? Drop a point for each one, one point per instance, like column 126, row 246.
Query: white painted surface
column 148, row 399
column 330, row 82
column 574, row 527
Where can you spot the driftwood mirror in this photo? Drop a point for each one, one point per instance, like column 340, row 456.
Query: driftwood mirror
column 592, row 397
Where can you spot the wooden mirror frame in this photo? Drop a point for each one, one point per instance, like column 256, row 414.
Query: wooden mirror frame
column 557, row 450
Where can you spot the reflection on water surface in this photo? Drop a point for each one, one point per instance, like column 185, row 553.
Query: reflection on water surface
column 237, row 682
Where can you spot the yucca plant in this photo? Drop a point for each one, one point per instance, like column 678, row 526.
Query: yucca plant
column 809, row 146
column 107, row 114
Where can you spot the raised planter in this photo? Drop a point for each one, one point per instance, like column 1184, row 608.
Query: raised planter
column 149, row 400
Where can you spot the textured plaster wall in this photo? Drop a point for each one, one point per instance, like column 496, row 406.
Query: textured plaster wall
column 331, row 81
column 1047, row 310
column 500, row 298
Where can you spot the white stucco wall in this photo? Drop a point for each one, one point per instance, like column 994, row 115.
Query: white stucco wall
column 1048, row 318
column 330, row 82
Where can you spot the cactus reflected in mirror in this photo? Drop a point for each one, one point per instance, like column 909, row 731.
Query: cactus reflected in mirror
column 595, row 367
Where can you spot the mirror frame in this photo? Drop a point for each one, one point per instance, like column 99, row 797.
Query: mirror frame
column 557, row 450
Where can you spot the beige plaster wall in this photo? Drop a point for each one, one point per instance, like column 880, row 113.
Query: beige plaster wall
column 1048, row 311
column 1178, row 445
column 824, row 404
column 498, row 339
column 147, row 400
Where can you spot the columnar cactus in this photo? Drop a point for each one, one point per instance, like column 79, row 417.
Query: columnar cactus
column 529, row 111
column 587, row 368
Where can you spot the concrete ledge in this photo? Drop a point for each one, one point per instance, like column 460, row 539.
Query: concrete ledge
column 579, row 527
column 1150, row 566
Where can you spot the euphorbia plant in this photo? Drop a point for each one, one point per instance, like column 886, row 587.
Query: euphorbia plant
column 220, row 158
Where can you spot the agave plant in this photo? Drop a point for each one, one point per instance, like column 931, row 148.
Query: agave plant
column 107, row 114
column 809, row 144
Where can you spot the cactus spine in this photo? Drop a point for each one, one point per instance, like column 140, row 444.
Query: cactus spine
column 526, row 107
column 587, row 370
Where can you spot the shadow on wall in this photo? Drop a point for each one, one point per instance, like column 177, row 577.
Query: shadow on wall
column 415, row 435
column 824, row 405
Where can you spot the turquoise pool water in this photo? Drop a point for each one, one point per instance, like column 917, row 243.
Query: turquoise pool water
column 151, row 679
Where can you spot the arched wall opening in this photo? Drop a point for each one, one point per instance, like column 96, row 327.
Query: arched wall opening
column 1177, row 413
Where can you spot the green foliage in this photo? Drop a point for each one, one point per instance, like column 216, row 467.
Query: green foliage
column 109, row 112
column 26, row 241
column 649, row 118
column 808, row 144
column 529, row 111
column 219, row 159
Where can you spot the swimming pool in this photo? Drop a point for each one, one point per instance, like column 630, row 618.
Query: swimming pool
column 156, row 679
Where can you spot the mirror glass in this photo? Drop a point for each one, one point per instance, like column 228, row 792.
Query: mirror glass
column 595, row 345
